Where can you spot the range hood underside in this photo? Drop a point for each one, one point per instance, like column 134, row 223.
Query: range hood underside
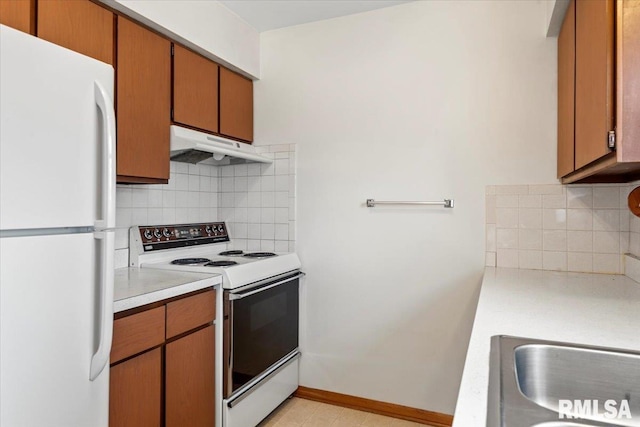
column 190, row 146
column 196, row 156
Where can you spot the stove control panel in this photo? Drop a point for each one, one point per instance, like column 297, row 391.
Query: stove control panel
column 157, row 237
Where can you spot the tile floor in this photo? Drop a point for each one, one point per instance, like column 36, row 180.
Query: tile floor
column 298, row 412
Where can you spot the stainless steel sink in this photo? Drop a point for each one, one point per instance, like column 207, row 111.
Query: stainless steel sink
column 532, row 383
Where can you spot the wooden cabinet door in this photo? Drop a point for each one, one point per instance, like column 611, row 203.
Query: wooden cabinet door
column 143, row 104
column 19, row 14
column 135, row 391
column 190, row 380
column 566, row 91
column 195, row 90
column 628, row 84
column 236, row 105
column 594, row 100
column 79, row 25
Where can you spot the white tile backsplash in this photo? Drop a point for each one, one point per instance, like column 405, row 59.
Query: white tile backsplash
column 579, row 197
column 529, row 239
column 530, row 259
column 256, row 200
column 507, row 238
column 582, row 262
column 580, row 219
column 188, row 197
column 585, row 228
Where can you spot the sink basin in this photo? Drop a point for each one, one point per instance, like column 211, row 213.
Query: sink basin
column 534, row 383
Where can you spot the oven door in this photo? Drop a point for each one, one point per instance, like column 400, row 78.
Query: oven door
column 261, row 328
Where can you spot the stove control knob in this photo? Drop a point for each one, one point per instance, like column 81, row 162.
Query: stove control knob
column 208, row 229
column 166, row 232
column 157, row 233
column 147, row 234
column 220, row 229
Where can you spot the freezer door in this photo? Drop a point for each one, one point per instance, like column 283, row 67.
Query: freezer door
column 50, row 330
column 52, row 133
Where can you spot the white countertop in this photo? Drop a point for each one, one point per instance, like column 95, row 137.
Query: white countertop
column 135, row 287
column 592, row 309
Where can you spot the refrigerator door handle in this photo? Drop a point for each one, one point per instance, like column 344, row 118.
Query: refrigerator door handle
column 108, row 190
column 101, row 357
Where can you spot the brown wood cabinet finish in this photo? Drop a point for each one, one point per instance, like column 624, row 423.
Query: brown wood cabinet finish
column 191, row 312
column 628, row 80
column 190, row 380
column 19, row 14
column 594, row 98
column 137, row 333
column 79, row 25
column 143, row 104
column 195, row 90
column 606, row 98
column 236, row 105
column 135, row 391
column 566, row 91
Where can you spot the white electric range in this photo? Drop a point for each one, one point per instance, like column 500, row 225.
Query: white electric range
column 260, row 316
column 203, row 248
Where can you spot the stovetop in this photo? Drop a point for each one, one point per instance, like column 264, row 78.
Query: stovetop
column 204, row 248
column 224, row 259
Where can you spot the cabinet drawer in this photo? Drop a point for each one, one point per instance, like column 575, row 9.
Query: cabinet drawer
column 190, row 312
column 136, row 333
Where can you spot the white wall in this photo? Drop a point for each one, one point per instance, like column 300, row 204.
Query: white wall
column 423, row 101
column 555, row 12
column 206, row 24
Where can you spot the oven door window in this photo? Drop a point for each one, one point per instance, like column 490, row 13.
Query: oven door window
column 265, row 329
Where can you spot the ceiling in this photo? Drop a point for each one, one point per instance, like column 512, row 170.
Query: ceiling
column 265, row 15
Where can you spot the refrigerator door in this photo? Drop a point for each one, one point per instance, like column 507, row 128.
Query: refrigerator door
column 52, row 134
column 51, row 305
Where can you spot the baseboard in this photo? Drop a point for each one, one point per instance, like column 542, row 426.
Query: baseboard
column 421, row 416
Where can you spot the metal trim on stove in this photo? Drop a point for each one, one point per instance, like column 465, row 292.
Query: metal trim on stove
column 254, row 288
column 247, row 389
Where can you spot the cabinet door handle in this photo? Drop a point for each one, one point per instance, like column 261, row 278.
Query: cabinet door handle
column 108, row 186
column 100, row 358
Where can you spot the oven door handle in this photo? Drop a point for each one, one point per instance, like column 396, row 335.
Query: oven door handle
column 233, row 297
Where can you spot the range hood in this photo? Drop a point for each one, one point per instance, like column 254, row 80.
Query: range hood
column 190, row 146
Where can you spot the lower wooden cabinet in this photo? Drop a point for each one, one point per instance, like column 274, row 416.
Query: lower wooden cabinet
column 190, row 380
column 164, row 380
column 135, row 393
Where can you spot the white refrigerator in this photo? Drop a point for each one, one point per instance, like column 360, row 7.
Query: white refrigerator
column 57, row 213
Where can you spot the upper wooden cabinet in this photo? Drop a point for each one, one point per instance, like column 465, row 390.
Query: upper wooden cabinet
column 236, row 105
column 195, row 90
column 19, row 14
column 79, row 25
column 594, row 79
column 566, row 92
column 598, row 78
column 143, row 106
